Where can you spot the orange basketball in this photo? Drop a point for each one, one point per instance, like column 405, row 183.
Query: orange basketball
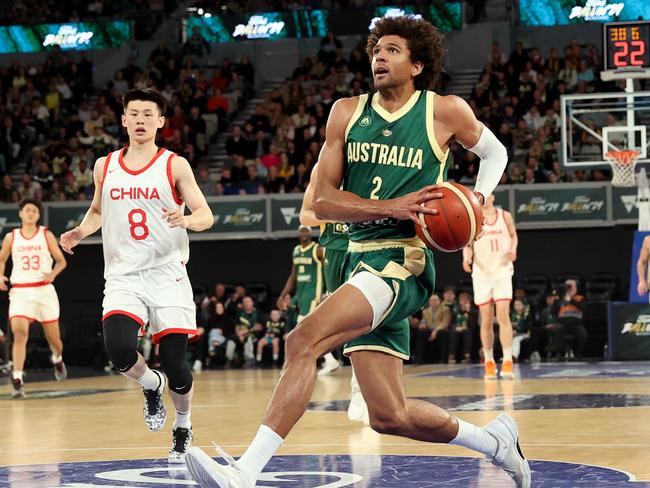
column 458, row 221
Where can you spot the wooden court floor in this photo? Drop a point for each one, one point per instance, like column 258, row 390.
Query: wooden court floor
column 583, row 414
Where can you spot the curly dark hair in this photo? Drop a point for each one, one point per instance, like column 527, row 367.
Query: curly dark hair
column 423, row 40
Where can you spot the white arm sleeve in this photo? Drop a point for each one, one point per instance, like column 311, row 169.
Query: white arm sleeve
column 494, row 159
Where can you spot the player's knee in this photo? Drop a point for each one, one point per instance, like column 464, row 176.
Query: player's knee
column 121, row 339
column 388, row 422
column 172, row 358
column 20, row 335
column 299, row 343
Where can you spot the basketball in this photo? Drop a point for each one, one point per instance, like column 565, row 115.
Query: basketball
column 457, row 223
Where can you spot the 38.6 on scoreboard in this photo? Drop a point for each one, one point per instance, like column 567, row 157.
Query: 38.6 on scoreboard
column 627, row 45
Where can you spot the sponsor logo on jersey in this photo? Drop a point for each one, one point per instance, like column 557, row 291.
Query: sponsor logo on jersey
column 386, row 132
column 373, row 152
column 134, row 193
column 366, row 121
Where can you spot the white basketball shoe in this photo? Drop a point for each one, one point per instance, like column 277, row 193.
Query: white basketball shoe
column 509, row 455
column 210, row 474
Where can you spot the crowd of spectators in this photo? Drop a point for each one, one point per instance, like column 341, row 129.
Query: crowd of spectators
column 56, row 123
column 56, row 11
column 237, row 328
column 518, row 97
column 447, row 330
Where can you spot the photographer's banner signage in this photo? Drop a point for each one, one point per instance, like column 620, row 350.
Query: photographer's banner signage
column 629, row 331
column 544, row 204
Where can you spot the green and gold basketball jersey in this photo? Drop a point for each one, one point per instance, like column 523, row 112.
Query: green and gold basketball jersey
column 334, row 236
column 309, row 277
column 389, row 155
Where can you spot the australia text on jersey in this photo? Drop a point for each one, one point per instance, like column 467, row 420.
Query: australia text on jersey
column 374, row 152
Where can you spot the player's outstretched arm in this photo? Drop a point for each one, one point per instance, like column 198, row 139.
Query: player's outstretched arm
column 460, row 123
column 641, row 267
column 335, row 205
column 307, row 214
column 201, row 217
column 60, row 262
column 514, row 240
column 92, row 221
column 5, row 252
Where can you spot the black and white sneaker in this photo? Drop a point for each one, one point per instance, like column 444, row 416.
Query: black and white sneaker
column 60, row 371
column 19, row 390
column 181, row 442
column 155, row 414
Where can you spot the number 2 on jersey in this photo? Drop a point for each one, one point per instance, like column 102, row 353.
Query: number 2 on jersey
column 140, row 223
column 377, row 181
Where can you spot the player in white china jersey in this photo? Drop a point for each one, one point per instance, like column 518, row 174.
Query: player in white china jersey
column 139, row 202
column 490, row 259
column 32, row 297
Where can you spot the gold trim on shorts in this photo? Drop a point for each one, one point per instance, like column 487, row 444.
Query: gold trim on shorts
column 349, row 350
column 384, row 244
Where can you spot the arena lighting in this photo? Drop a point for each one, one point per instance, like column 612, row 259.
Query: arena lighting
column 200, row 11
column 207, row 15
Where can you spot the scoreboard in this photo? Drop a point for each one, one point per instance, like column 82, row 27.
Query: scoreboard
column 626, row 45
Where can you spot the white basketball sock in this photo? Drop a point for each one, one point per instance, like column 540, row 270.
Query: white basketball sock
column 17, row 375
column 56, row 358
column 150, row 380
column 182, row 420
column 488, row 355
column 261, row 450
column 507, row 354
column 475, row 438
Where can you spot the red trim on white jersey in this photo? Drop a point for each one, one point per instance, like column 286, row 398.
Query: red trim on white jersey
column 29, row 238
column 141, row 170
column 170, row 177
column 32, row 319
column 106, row 163
column 156, row 337
column 30, row 285
column 124, row 312
column 496, row 218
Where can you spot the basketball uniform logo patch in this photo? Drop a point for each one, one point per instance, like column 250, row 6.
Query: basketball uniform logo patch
column 366, row 121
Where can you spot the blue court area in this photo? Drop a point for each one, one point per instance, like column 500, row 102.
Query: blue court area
column 628, row 369
column 476, row 403
column 321, row 472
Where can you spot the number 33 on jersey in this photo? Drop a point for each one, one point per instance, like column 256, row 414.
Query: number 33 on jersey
column 135, row 235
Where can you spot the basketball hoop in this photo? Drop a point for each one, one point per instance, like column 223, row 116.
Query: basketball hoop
column 623, row 164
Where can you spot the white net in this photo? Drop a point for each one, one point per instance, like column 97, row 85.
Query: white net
column 623, row 164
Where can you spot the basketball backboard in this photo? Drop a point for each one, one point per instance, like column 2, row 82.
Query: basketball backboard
column 594, row 124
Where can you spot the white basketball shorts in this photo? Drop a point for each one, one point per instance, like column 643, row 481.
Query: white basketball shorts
column 35, row 303
column 161, row 297
column 489, row 291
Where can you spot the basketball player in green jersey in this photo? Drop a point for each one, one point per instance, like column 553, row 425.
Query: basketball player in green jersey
column 306, row 274
column 382, row 158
